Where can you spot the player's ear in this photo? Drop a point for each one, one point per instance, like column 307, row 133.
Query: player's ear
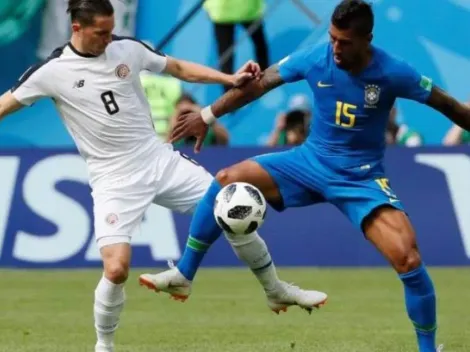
column 370, row 37
column 76, row 26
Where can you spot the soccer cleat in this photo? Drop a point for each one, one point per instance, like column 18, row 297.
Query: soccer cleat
column 101, row 347
column 286, row 295
column 440, row 348
column 170, row 281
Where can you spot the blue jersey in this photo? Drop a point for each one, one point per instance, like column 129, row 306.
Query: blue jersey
column 351, row 112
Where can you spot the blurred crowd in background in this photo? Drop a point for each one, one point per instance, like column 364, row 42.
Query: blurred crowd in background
column 168, row 97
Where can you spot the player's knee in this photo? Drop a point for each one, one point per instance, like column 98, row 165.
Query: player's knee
column 226, row 176
column 407, row 260
column 116, row 272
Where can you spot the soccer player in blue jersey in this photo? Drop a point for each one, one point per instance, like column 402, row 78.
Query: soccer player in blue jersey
column 354, row 85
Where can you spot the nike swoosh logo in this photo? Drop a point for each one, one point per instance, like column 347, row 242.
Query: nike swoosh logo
column 323, row 85
column 393, row 200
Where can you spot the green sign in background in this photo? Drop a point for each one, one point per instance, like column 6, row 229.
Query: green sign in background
column 15, row 16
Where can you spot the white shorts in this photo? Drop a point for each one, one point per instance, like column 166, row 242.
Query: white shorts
column 171, row 180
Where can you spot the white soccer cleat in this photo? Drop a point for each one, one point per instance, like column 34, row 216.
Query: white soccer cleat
column 100, row 347
column 286, row 295
column 170, row 281
column 440, row 348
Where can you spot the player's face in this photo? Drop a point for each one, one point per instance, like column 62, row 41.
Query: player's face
column 96, row 37
column 296, row 135
column 348, row 48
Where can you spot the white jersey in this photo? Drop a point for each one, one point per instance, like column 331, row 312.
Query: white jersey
column 102, row 103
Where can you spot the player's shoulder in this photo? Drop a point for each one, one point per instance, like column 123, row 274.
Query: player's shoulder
column 50, row 61
column 319, row 54
column 43, row 68
column 56, row 53
column 313, row 55
column 132, row 43
column 391, row 65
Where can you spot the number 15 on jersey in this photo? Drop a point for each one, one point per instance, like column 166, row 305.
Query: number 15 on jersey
column 344, row 114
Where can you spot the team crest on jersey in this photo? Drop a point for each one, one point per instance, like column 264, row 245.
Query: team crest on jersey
column 122, row 71
column 112, row 219
column 371, row 95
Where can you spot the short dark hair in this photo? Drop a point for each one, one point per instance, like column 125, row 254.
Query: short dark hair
column 356, row 14
column 186, row 97
column 84, row 11
column 294, row 119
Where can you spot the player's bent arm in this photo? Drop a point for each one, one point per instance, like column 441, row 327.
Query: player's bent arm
column 456, row 111
column 238, row 97
column 8, row 104
column 192, row 72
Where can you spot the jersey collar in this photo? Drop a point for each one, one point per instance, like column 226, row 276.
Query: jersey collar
column 79, row 53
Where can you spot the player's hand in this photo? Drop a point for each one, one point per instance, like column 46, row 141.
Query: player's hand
column 190, row 125
column 247, row 72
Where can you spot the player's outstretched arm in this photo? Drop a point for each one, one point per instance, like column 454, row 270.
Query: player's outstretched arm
column 196, row 124
column 239, row 97
column 192, row 72
column 456, row 111
column 8, row 104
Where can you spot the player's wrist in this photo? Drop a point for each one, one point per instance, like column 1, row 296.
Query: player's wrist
column 207, row 115
column 231, row 80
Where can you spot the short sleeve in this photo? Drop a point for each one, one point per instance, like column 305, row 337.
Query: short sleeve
column 410, row 84
column 33, row 85
column 295, row 67
column 152, row 60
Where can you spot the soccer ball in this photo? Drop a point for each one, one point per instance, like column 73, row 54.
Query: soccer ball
column 240, row 208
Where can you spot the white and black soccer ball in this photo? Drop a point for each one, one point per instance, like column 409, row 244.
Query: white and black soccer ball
column 240, row 208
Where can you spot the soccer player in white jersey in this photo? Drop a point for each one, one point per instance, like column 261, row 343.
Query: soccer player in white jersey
column 94, row 83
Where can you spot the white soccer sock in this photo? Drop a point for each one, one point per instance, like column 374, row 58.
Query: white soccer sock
column 252, row 250
column 109, row 301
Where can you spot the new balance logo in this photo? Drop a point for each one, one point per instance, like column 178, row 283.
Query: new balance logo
column 79, row 84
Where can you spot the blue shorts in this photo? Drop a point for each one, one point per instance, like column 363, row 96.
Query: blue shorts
column 305, row 178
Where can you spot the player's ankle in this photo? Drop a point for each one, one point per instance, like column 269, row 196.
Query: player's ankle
column 274, row 287
column 105, row 339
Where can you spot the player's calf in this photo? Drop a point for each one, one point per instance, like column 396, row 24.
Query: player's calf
column 109, row 294
column 203, row 229
column 252, row 250
column 391, row 232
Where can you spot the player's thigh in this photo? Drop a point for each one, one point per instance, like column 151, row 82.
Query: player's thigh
column 391, row 232
column 374, row 208
column 358, row 199
column 281, row 177
column 183, row 184
column 118, row 213
column 253, row 173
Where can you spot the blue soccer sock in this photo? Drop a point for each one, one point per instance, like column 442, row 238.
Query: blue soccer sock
column 203, row 232
column 421, row 306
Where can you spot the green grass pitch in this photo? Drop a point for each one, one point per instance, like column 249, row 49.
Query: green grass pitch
column 51, row 311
